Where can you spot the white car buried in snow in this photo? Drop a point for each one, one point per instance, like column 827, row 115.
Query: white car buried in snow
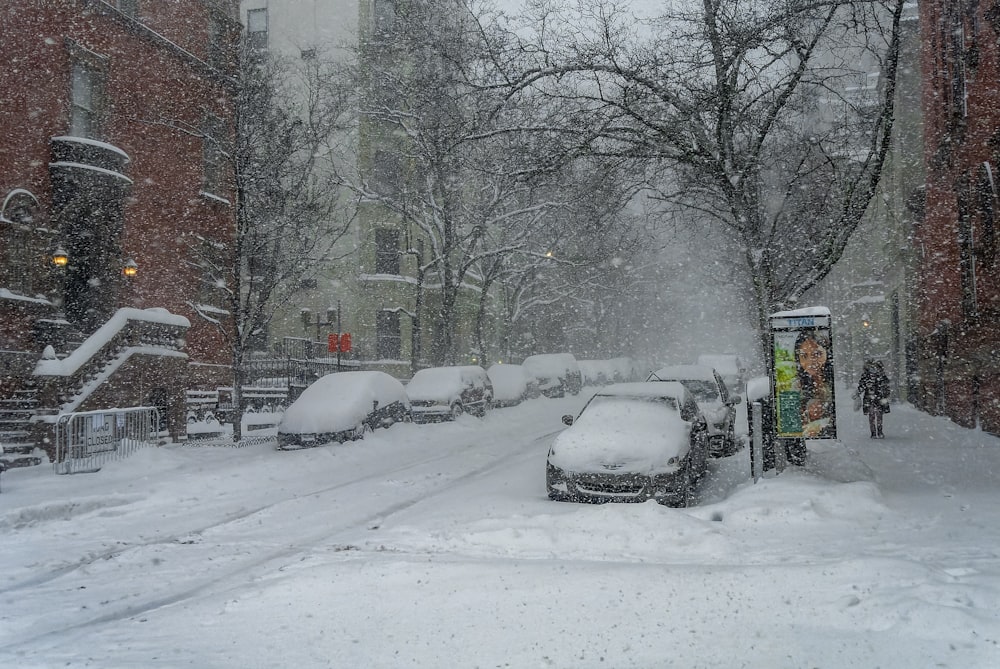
column 341, row 406
column 511, row 385
column 444, row 393
column 556, row 373
column 632, row 442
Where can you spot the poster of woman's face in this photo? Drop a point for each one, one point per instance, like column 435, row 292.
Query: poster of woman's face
column 804, row 384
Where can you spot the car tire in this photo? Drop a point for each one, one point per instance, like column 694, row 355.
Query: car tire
column 550, row 477
column 557, row 496
column 685, row 497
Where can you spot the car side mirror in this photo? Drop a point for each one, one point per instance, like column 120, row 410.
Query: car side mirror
column 567, row 419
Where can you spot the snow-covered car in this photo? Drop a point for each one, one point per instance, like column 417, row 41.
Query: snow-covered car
column 340, row 407
column 712, row 394
column 511, row 385
column 443, row 393
column 598, row 372
column 556, row 373
column 631, row 442
column 625, row 369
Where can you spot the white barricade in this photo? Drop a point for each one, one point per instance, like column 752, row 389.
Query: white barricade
column 85, row 440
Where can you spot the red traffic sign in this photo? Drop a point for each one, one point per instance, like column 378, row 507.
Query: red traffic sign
column 338, row 342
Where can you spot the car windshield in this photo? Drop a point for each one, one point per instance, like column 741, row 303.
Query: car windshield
column 703, row 391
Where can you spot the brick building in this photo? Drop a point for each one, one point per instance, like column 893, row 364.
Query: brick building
column 114, row 194
column 958, row 291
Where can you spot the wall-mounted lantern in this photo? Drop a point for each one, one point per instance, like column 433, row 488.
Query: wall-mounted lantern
column 59, row 257
column 130, row 268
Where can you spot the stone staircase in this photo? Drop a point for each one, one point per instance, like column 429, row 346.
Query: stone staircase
column 17, row 446
column 95, row 373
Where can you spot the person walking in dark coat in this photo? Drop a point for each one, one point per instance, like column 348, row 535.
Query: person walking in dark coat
column 873, row 388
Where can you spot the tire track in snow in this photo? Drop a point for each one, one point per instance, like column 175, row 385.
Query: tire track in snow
column 203, row 586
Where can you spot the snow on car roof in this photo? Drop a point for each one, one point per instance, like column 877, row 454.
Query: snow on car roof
column 434, row 383
column 636, row 434
column 550, row 363
column 643, row 389
column 676, row 372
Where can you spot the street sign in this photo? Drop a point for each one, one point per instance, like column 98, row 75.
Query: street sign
column 338, row 342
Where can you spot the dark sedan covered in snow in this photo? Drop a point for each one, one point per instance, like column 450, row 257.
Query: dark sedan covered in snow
column 632, row 442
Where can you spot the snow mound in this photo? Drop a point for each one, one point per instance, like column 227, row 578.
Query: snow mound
column 28, row 516
column 634, row 533
column 834, row 461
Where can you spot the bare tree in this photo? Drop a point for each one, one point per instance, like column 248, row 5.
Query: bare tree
column 289, row 120
column 772, row 119
column 452, row 160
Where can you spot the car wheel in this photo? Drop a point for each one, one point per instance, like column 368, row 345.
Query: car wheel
column 685, row 496
column 550, row 479
column 456, row 410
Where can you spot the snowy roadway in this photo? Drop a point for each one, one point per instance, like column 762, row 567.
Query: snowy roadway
column 435, row 546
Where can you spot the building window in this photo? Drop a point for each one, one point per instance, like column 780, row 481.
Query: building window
column 967, row 247
column 388, row 339
column 129, row 8
column 386, row 251
column 388, row 173
column 23, row 250
column 257, row 29
column 384, row 13
column 213, row 155
column 86, row 101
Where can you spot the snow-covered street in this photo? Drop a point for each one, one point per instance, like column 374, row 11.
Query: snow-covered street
column 436, row 546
